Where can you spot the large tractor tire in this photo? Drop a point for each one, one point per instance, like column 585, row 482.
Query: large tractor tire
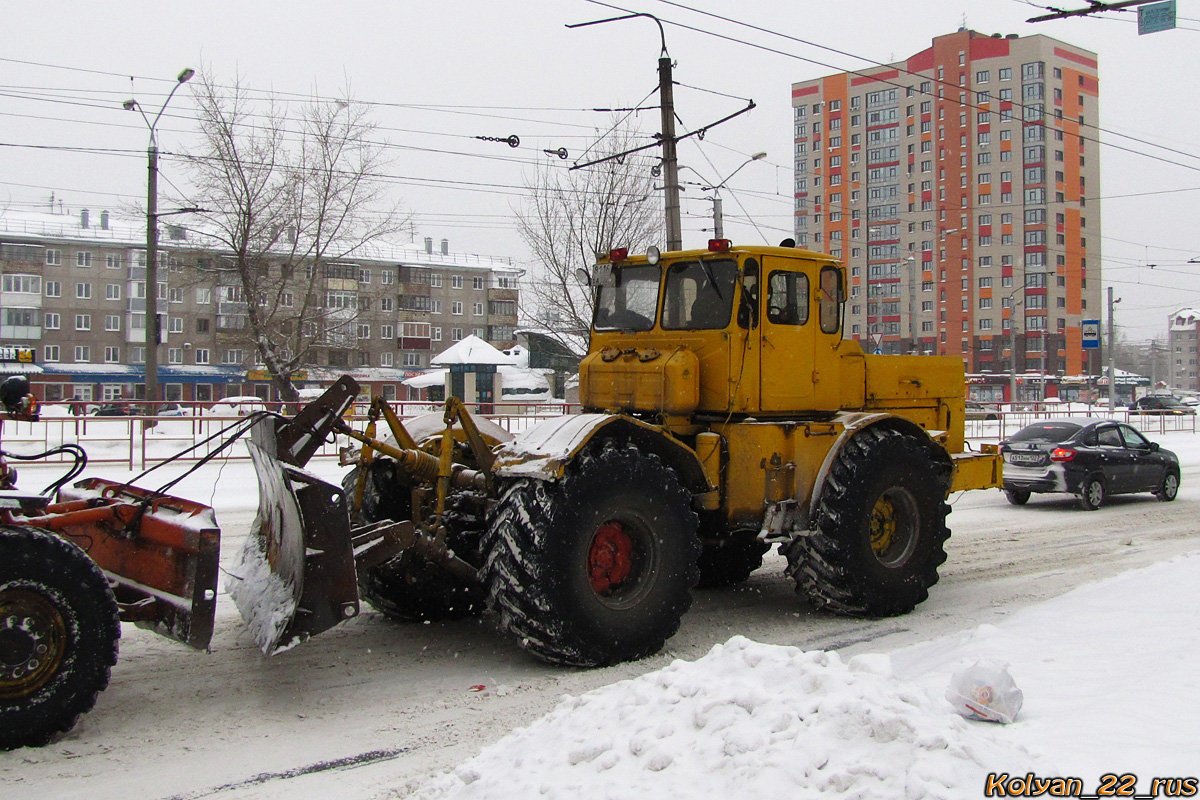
column 598, row 567
column 880, row 529
column 58, row 636
column 408, row 587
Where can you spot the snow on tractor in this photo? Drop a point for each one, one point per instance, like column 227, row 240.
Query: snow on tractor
column 723, row 413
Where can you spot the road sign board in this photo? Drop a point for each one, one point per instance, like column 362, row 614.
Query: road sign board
column 1156, row 17
column 1091, row 333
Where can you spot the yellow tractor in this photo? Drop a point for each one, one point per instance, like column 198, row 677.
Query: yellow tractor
column 723, row 413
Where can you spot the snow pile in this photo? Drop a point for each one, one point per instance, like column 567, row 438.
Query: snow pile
column 746, row 720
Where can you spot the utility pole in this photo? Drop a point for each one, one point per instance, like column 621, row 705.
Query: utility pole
column 153, row 330
column 666, row 102
column 1112, row 369
column 718, row 218
column 667, row 139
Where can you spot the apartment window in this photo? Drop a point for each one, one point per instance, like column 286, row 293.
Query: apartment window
column 174, row 355
column 435, row 280
column 985, row 324
column 364, row 331
column 477, row 282
column 456, row 281
column 112, row 322
column 203, row 296
column 364, row 275
column 83, row 258
column 456, row 334
column 456, row 307
column 24, row 284
column 385, row 359
column 83, row 291
column 51, row 321
column 112, row 355
column 201, row 355
column 54, row 258
column 435, row 334
column 51, row 353
column 412, row 359
column 112, row 291
column 83, row 322
column 477, row 309
column 112, row 261
column 83, row 354
column 435, row 306
column 53, row 289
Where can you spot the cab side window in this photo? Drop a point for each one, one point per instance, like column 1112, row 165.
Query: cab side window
column 831, row 299
column 787, row 298
column 1109, row 437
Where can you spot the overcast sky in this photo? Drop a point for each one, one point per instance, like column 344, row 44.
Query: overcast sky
column 443, row 73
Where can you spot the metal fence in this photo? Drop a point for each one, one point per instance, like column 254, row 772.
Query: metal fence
column 138, row 441
column 996, row 422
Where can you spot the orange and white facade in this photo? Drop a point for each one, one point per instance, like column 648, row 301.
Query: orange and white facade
column 960, row 187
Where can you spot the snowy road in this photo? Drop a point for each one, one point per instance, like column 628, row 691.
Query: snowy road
column 372, row 707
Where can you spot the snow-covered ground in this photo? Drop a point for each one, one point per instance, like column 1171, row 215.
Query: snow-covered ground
column 1109, row 674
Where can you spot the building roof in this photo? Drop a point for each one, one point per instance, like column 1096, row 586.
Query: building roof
column 471, row 350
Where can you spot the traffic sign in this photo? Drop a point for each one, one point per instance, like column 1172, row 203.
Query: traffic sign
column 1091, row 333
column 1156, row 17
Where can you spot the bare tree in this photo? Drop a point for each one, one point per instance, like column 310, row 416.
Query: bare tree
column 291, row 196
column 570, row 216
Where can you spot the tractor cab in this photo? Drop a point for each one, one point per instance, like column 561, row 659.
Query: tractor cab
column 747, row 330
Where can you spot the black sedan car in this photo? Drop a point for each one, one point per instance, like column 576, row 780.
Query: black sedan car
column 1159, row 404
column 1089, row 458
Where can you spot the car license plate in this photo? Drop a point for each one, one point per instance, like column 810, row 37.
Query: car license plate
column 1024, row 458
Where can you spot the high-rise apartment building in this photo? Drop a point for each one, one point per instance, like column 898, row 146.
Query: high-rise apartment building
column 960, row 188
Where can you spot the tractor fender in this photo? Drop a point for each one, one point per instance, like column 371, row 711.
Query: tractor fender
column 854, row 423
column 545, row 450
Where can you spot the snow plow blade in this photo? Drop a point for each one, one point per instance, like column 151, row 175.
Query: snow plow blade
column 296, row 576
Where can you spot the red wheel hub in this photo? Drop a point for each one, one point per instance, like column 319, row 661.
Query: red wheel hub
column 610, row 557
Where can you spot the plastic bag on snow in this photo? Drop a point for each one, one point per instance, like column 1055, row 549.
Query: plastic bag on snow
column 985, row 691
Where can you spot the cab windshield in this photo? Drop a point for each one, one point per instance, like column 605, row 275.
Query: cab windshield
column 631, row 303
column 699, row 294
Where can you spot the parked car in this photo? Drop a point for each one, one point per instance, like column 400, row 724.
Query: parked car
column 1159, row 404
column 236, row 406
column 980, row 411
column 1089, row 458
column 172, row 410
column 112, row 410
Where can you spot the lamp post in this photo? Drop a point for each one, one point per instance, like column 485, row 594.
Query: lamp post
column 666, row 103
column 914, row 348
column 153, row 334
column 1012, row 345
column 718, row 216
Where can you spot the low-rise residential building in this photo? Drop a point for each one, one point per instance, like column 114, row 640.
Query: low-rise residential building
column 73, row 289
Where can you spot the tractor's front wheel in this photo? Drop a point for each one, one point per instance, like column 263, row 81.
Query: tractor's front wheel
column 880, row 532
column 58, row 635
column 408, row 587
column 598, row 567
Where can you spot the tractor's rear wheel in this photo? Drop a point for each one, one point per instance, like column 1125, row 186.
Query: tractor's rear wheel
column 408, row 587
column 880, row 532
column 58, row 635
column 598, row 567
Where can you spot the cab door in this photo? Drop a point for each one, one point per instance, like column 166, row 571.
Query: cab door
column 787, row 338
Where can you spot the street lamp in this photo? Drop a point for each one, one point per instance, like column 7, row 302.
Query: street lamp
column 153, row 335
column 911, row 261
column 1012, row 339
column 718, row 216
